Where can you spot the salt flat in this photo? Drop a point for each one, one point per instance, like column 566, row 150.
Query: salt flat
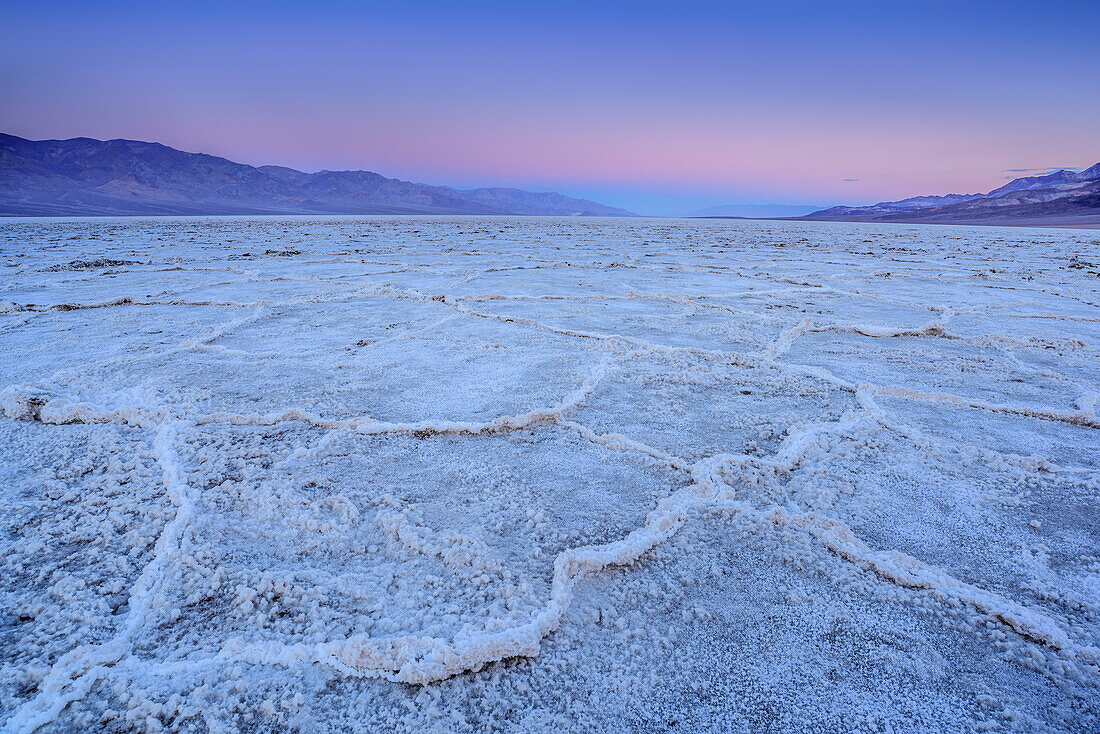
column 522, row 474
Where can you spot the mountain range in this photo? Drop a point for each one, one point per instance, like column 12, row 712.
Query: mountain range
column 87, row 177
column 1064, row 198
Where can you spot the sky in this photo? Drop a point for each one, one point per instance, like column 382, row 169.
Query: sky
column 661, row 108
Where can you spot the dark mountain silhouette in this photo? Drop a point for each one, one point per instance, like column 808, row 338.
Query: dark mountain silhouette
column 1063, row 197
column 82, row 177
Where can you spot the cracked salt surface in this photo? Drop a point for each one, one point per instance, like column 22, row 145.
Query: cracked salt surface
column 464, row 474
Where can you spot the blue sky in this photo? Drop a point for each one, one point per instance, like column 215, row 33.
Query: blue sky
column 659, row 107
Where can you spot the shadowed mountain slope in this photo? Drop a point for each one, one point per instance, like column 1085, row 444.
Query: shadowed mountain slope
column 83, row 176
column 1063, row 197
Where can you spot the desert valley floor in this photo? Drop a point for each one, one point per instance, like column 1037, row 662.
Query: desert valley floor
column 522, row 474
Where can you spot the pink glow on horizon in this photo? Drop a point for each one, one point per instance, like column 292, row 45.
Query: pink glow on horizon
column 692, row 157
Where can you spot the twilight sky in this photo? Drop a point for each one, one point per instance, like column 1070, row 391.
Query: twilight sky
column 662, row 108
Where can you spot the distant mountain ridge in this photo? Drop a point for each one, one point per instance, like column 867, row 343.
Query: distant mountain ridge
column 1062, row 197
column 754, row 211
column 88, row 177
